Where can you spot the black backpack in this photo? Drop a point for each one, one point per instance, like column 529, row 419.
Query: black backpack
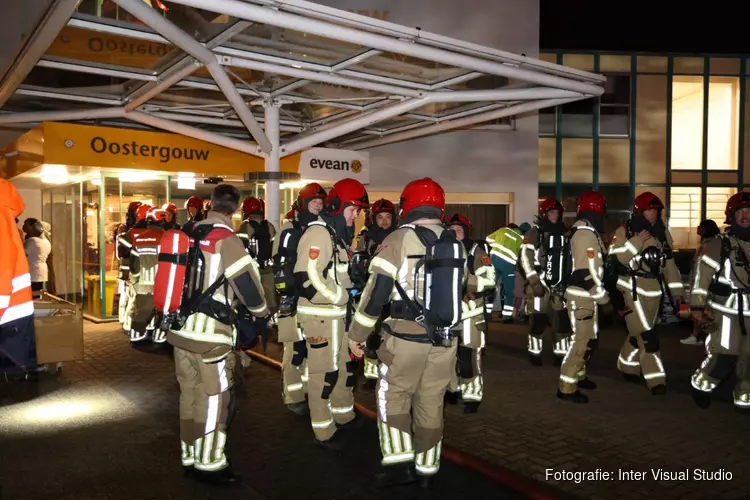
column 261, row 247
column 438, row 284
column 286, row 258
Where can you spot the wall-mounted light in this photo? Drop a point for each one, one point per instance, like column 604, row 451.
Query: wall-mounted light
column 186, row 180
column 54, row 174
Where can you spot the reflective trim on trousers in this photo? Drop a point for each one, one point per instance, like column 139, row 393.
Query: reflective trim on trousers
column 428, row 463
column 188, row 454
column 474, row 390
column 535, row 345
column 371, row 368
column 395, row 445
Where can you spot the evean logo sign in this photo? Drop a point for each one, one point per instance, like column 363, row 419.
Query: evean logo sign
column 353, row 166
column 100, row 145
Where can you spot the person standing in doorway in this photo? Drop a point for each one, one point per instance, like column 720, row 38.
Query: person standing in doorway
column 37, row 248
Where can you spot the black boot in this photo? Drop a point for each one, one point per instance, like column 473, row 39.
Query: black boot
column 535, row 359
column 576, row 397
column 188, row 471
column 224, row 477
column 471, row 406
column 659, row 390
column 587, row 383
column 559, row 361
column 300, row 409
column 396, row 475
column 426, row 482
column 335, row 443
column 451, row 397
column 356, row 423
column 629, row 377
column 702, row 399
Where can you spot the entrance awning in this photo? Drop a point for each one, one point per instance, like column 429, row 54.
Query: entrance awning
column 275, row 77
column 206, row 68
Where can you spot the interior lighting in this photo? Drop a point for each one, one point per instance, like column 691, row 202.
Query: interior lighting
column 54, row 174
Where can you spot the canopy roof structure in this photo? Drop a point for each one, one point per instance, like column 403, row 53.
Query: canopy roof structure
column 252, row 74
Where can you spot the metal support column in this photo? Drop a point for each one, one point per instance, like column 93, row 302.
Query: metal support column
column 668, row 153
column 704, row 155
column 633, row 98
column 272, row 163
column 595, row 130
column 558, row 144
column 741, row 138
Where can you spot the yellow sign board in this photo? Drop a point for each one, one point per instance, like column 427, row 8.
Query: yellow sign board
column 106, row 147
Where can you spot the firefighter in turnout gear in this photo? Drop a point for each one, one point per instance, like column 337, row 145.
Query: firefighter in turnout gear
column 720, row 294
column 505, row 245
column 143, row 261
column 294, row 371
column 641, row 253
column 321, row 275
column 125, row 245
column 122, row 253
column 194, row 207
column 204, row 338
column 418, row 353
column 584, row 294
column 170, row 213
column 469, row 381
column 382, row 223
column 257, row 234
column 544, row 258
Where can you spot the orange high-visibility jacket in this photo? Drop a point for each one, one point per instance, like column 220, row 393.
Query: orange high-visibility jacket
column 15, row 282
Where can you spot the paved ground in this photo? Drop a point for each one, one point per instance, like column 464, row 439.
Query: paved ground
column 524, row 429
column 108, row 429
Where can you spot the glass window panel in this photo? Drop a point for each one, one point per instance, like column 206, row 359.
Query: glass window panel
column 614, row 121
column 547, row 121
column 408, row 68
column 687, row 123
column 684, row 215
column 578, row 118
column 81, row 44
column 290, row 44
column 616, row 90
column 723, row 122
column 75, row 82
column 201, row 24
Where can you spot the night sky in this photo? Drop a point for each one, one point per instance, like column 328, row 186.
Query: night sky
column 646, row 26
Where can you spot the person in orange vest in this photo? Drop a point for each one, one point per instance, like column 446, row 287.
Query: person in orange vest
column 16, row 307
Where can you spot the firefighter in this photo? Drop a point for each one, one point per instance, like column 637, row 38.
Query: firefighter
column 646, row 275
column 170, row 221
column 417, row 361
column 257, row 235
column 294, row 371
column 16, row 305
column 382, row 223
column 544, row 264
column 144, row 259
column 720, row 294
column 584, row 294
column 203, row 345
column 122, row 253
column 505, row 245
column 194, row 207
column 470, row 381
column 321, row 275
column 125, row 244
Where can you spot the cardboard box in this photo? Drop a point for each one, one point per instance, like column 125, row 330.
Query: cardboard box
column 58, row 328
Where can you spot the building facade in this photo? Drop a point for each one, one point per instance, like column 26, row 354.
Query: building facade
column 671, row 124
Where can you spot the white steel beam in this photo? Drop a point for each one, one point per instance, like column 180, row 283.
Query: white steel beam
column 317, row 77
column 181, row 39
column 165, row 81
column 351, row 125
column 36, row 44
column 513, row 110
column 380, row 42
column 273, row 164
column 95, row 70
column 195, row 133
column 52, row 94
column 58, row 116
column 222, row 122
column 503, row 94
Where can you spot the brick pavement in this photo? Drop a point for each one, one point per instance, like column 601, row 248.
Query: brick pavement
column 108, row 429
column 523, row 428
